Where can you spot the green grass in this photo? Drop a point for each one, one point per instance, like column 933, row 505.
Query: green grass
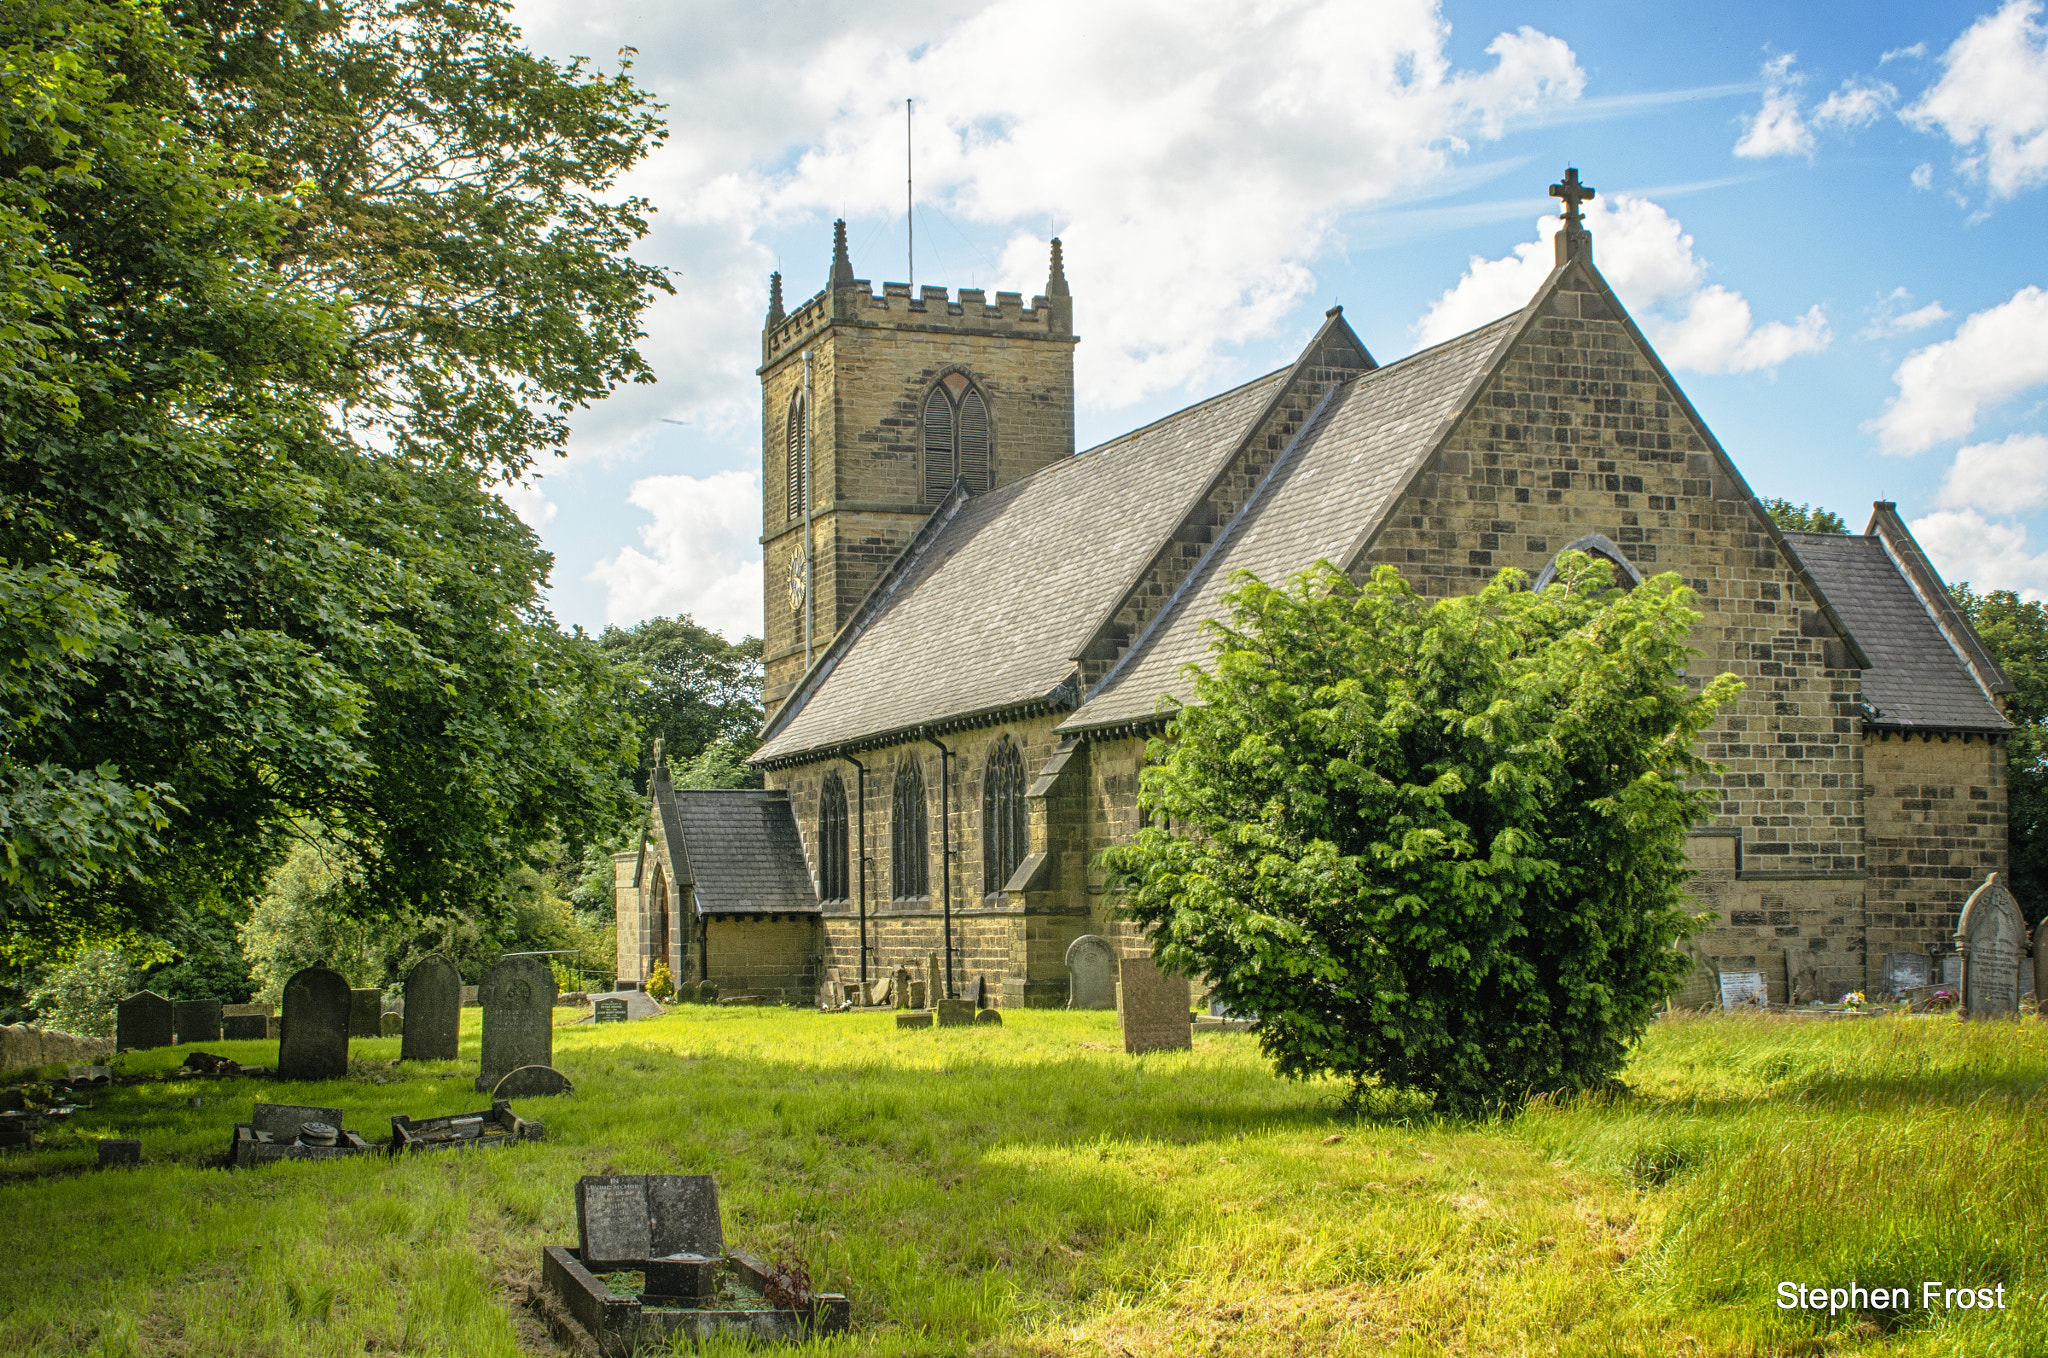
column 1031, row 1190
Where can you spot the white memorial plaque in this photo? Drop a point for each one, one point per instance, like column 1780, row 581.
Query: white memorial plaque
column 1744, row 990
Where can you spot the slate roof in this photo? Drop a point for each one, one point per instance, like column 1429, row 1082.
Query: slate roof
column 1917, row 679
column 991, row 612
column 744, row 854
column 1353, row 457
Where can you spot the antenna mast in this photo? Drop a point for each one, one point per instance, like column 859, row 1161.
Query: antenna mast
column 909, row 220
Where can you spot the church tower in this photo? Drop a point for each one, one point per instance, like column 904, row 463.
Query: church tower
column 873, row 405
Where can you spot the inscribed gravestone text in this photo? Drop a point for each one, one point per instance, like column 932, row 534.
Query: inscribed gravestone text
column 518, row 995
column 1990, row 937
column 1092, row 963
column 1155, row 1008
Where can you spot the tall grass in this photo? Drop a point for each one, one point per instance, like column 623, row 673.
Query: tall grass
column 1031, row 1190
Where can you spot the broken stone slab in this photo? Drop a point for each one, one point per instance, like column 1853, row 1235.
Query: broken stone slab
column 914, row 1018
column 528, row 1082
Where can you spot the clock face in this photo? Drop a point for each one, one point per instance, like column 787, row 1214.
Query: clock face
column 798, row 583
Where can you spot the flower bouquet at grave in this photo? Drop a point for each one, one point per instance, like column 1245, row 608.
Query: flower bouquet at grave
column 1852, row 1000
column 1941, row 1001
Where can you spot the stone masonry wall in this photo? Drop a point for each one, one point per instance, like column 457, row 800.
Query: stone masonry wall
column 771, row 959
column 1937, row 828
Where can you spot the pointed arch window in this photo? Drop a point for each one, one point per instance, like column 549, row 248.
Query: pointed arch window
column 1002, row 816
column 957, row 441
column 1594, row 544
column 797, row 475
column 832, row 857
column 909, row 837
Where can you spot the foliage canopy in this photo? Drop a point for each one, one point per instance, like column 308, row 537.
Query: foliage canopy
column 1435, row 845
column 2015, row 631
column 1804, row 518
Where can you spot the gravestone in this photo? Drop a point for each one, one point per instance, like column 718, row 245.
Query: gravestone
column 934, row 980
column 1091, row 963
column 989, row 1018
column 919, row 996
column 1990, row 937
column 519, row 999
column 1744, row 990
column 901, row 982
column 314, row 1044
column 196, row 1020
column 1155, row 1008
column 1802, row 978
column 1952, row 972
column 469, row 999
column 954, row 1013
column 2040, row 969
column 1904, row 971
column 528, row 1082
column 282, row 1121
column 623, row 1219
column 609, row 1011
column 975, row 992
column 142, row 1021
column 244, row 1028
column 433, row 1010
column 120, row 1150
column 393, row 1025
column 366, row 1013
column 228, row 1011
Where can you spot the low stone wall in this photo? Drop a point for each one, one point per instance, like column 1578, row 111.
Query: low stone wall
column 23, row 1048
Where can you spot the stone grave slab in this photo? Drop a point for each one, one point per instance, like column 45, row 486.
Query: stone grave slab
column 608, row 1011
column 1744, row 990
column 914, row 1018
column 142, row 1021
column 624, row 1219
column 1802, row 978
column 954, row 1013
column 366, row 1013
column 1990, row 937
column 469, row 997
column 527, row 1082
column 392, row 1025
column 1091, row 966
column 519, row 1000
column 1951, row 972
column 1156, row 1008
column 314, row 1041
column 900, row 987
column 119, row 1150
column 433, row 1010
column 990, row 1018
column 196, row 1020
column 1904, row 971
column 281, row 1121
column 244, row 1028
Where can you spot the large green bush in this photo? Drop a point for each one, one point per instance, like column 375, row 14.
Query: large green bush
column 1435, row 845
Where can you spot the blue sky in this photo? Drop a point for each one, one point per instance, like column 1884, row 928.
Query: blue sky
column 1828, row 217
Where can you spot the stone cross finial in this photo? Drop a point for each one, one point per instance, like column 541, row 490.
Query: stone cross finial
column 1056, row 280
column 842, row 265
column 776, row 315
column 1573, row 193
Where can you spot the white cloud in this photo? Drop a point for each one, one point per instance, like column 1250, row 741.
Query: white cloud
column 1776, row 129
column 1966, row 546
column 1923, row 176
column 1996, row 354
column 1856, row 104
column 1915, row 52
column 1886, row 320
column 1992, row 99
column 2004, row 477
column 530, row 503
column 701, row 557
column 1644, row 253
column 1195, row 186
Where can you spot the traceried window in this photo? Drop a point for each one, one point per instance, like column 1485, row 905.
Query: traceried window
column 832, row 859
column 1002, row 816
column 956, row 437
column 909, row 837
column 798, row 473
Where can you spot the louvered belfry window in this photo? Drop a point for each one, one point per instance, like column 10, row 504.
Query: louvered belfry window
column 832, row 860
column 957, row 445
column 798, row 474
column 1002, row 816
column 908, row 835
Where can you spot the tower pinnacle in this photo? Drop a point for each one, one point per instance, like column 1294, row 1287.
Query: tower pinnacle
column 776, row 315
column 842, row 266
column 1056, row 280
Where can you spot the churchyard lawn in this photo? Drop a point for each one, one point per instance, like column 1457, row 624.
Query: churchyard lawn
column 1030, row 1189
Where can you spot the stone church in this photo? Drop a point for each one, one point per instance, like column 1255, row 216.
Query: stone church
column 970, row 628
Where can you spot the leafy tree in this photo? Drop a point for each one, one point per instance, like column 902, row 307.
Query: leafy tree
column 229, row 617
column 2015, row 631
column 1804, row 518
column 80, row 996
column 696, row 692
column 1438, row 845
column 209, row 964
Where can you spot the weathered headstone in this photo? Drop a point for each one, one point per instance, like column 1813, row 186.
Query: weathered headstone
column 196, row 1020
column 529, row 1082
column 1156, row 1015
column 622, row 1219
column 519, row 1000
column 914, row 1018
column 1990, row 937
column 142, row 1021
column 314, row 1044
column 433, row 1011
column 393, row 1025
column 2040, row 969
column 1952, row 972
column 989, row 1017
column 1802, row 978
column 901, row 983
column 707, row 992
column 1744, row 990
column 609, row 1011
column 954, row 1013
column 934, row 980
column 919, row 995
column 469, row 996
column 366, row 1013
column 244, row 1028
column 1092, row 965
column 120, row 1150
column 1904, row 971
